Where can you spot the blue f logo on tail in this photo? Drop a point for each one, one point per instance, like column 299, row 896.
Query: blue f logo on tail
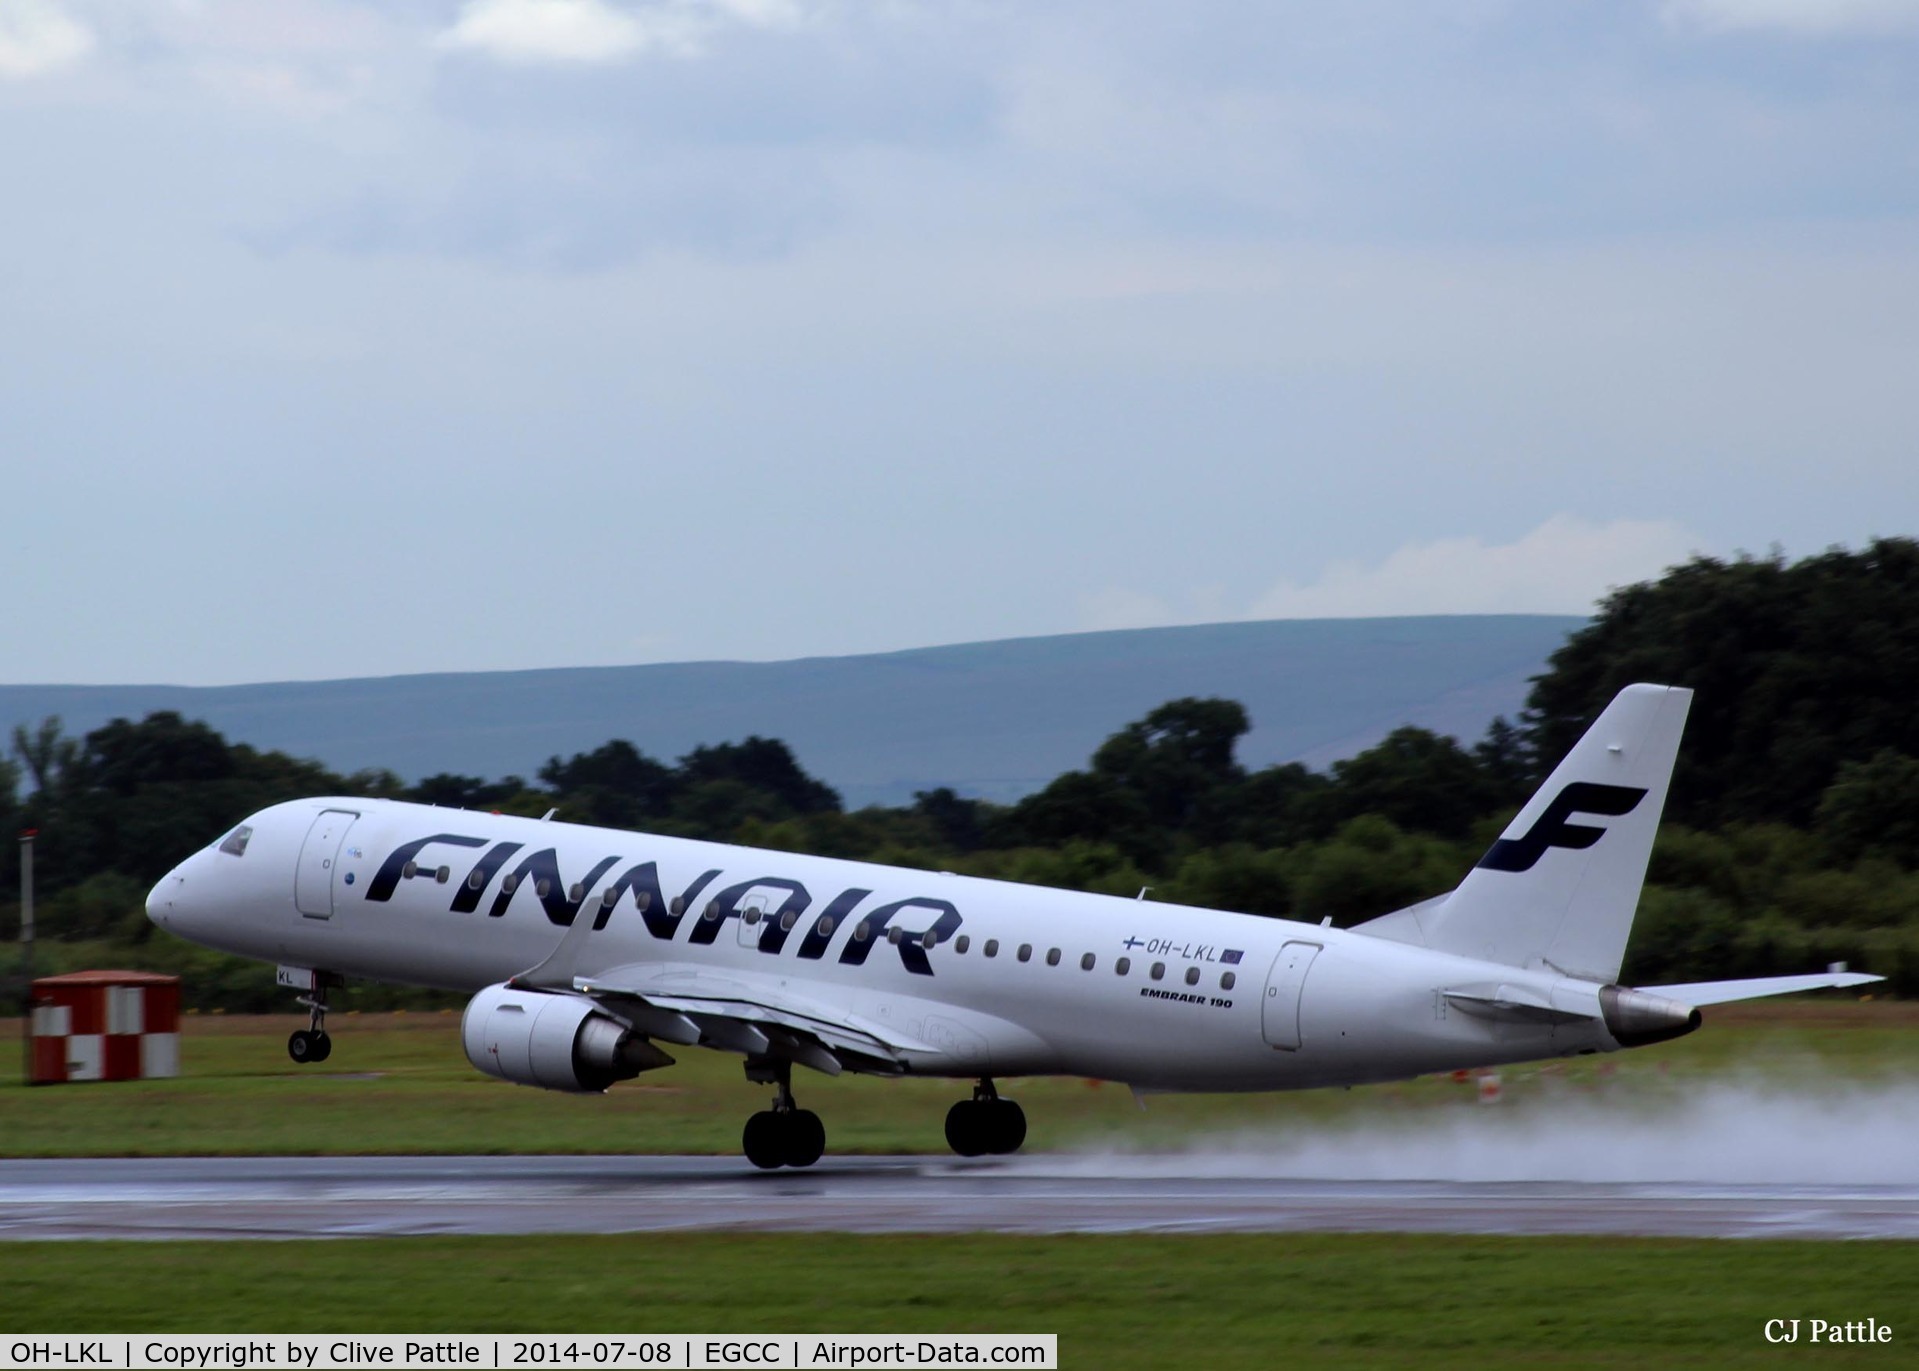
column 1551, row 829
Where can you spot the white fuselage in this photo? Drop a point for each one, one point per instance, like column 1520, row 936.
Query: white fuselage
column 1018, row 980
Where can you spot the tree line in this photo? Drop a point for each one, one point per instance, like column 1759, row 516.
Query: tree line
column 1791, row 840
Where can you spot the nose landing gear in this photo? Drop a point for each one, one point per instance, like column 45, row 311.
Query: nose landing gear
column 783, row 1135
column 312, row 1043
column 985, row 1124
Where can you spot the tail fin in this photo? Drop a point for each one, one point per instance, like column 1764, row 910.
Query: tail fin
column 1558, row 890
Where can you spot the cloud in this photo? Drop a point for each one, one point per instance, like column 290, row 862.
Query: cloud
column 1810, row 17
column 547, row 31
column 594, row 31
column 1561, row 567
column 37, row 38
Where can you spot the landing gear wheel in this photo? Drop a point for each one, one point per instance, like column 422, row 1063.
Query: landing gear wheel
column 805, row 1136
column 1006, row 1126
column 311, row 1044
column 784, row 1135
column 985, row 1124
column 964, row 1131
column 764, row 1140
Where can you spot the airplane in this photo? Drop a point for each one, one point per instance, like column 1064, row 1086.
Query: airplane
column 585, row 949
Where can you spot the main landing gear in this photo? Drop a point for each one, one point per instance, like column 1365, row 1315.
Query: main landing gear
column 985, row 1123
column 783, row 1135
column 312, row 1044
column 786, row 1135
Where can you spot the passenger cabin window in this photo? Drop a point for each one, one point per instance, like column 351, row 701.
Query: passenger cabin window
column 1052, row 956
column 1026, row 952
column 1086, row 962
column 235, row 843
column 826, row 926
column 1122, row 966
column 677, row 905
column 862, row 931
column 643, row 899
column 929, row 939
column 1159, row 971
column 961, row 943
column 1226, row 980
column 752, row 916
column 992, row 947
column 1192, row 975
column 541, row 886
column 893, row 934
column 788, row 919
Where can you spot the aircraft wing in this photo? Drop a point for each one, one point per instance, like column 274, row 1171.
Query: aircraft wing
column 747, row 1013
column 739, row 1011
column 1725, row 992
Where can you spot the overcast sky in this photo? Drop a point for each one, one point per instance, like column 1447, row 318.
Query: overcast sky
column 343, row 339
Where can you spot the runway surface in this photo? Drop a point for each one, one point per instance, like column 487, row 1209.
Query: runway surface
column 300, row 1197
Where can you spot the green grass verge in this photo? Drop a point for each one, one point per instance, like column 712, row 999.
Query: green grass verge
column 1135, row 1301
column 398, row 1083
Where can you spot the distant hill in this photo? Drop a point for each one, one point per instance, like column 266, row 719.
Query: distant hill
column 996, row 719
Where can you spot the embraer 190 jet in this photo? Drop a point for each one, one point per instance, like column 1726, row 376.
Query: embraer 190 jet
column 586, row 949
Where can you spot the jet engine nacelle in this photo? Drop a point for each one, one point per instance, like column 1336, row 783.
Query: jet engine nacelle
column 560, row 1042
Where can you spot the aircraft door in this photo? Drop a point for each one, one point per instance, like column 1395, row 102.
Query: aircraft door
column 1279, row 1010
column 319, row 861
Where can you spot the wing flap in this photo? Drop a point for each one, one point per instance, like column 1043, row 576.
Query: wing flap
column 749, row 1015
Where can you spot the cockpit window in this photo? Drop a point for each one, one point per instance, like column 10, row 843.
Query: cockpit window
column 235, row 843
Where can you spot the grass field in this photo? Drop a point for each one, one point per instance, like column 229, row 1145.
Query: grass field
column 1120, row 1302
column 399, row 1083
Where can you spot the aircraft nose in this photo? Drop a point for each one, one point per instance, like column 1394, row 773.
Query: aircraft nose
column 163, row 899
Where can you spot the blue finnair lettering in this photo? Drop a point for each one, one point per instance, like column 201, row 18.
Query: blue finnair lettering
column 561, row 901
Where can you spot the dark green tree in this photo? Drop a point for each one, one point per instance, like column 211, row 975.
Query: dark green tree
column 1872, row 808
column 1420, row 781
column 1799, row 667
column 764, row 764
column 1178, row 761
column 465, row 792
column 957, row 823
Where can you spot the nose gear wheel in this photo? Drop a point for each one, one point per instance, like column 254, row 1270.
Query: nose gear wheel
column 312, row 1043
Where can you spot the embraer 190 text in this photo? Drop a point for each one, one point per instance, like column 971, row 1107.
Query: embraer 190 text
column 585, row 949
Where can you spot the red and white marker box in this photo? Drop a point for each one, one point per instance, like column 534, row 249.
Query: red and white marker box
column 105, row 1026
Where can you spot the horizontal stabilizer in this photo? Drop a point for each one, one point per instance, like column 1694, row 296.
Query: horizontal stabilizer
column 1725, row 992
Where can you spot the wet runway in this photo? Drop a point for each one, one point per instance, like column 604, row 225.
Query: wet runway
column 273, row 1197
